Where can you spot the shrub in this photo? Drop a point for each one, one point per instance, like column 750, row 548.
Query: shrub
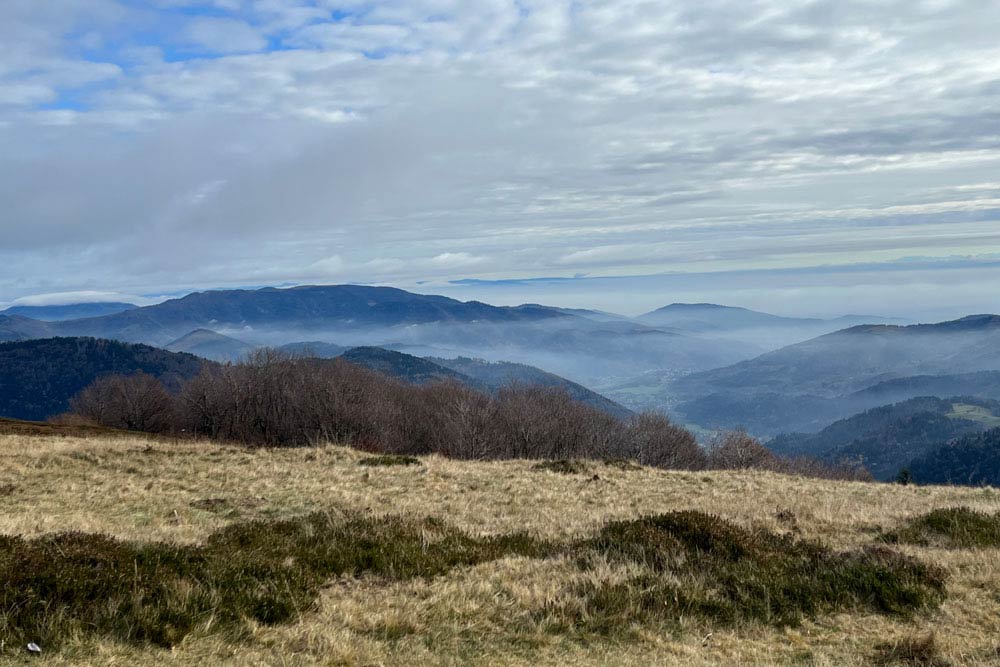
column 622, row 464
column 956, row 528
column 699, row 565
column 70, row 584
column 269, row 571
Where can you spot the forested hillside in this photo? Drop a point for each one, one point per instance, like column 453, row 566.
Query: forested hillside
column 888, row 438
column 971, row 460
column 38, row 377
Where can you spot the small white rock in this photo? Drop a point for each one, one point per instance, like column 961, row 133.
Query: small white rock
column 34, row 648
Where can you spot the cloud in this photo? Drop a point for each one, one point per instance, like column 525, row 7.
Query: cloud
column 149, row 147
column 223, row 35
column 452, row 260
column 70, row 298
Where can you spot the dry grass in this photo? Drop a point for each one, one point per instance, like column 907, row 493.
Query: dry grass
column 138, row 489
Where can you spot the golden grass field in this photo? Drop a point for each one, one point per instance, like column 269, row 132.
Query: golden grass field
column 140, row 489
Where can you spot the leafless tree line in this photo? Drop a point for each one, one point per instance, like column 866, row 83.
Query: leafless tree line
column 272, row 399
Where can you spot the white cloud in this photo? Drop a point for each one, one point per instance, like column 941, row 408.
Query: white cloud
column 454, row 260
column 541, row 137
column 70, row 298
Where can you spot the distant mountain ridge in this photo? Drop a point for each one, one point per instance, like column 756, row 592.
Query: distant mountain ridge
column 859, row 357
column 715, row 317
column 71, row 311
column 415, row 370
column 313, row 348
column 210, row 345
column 766, row 331
column 304, row 308
column 711, row 316
column 17, row 327
column 806, row 386
column 590, row 347
column 586, row 346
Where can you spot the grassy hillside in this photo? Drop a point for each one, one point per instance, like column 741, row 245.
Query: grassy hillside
column 558, row 586
column 975, row 413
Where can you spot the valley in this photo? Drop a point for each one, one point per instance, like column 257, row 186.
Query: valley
column 709, row 367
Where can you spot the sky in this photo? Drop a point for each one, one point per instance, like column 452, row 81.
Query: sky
column 814, row 157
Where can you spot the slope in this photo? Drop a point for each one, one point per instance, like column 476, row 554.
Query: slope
column 38, row 377
column 71, row 311
column 972, row 460
column 888, row 438
column 210, row 345
column 497, row 374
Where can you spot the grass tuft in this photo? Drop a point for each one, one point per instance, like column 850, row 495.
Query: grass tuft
column 562, row 467
column 389, row 460
column 910, row 652
column 955, row 528
column 622, row 464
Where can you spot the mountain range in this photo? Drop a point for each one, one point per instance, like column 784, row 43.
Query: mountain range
column 72, row 311
column 807, row 385
column 767, row 331
column 707, row 365
column 587, row 346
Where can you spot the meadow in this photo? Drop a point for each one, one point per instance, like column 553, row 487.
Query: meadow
column 402, row 561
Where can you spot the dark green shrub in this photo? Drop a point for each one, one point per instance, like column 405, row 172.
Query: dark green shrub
column 956, row 528
column 700, row 565
column 269, row 571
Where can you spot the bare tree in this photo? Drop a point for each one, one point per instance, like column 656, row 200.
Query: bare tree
column 656, row 441
column 737, row 450
column 137, row 402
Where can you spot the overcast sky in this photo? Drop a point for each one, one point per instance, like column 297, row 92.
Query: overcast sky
column 821, row 157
